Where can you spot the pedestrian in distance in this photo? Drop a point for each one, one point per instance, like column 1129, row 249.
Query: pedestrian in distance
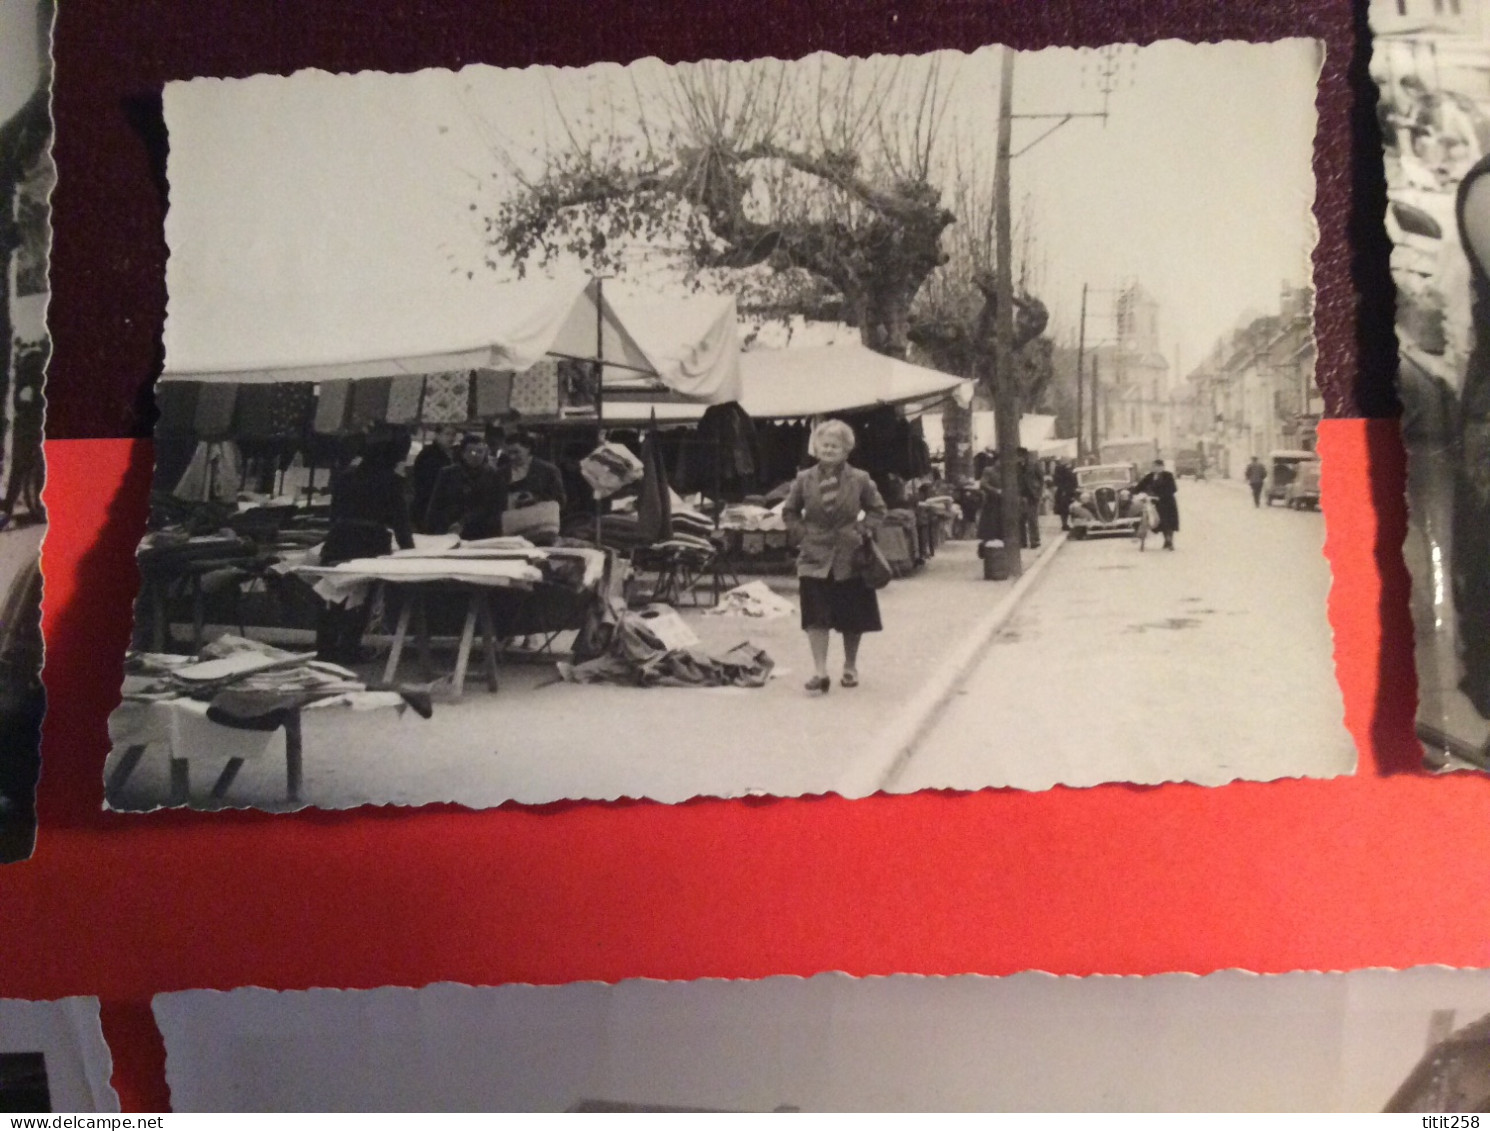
column 1065, row 492
column 833, row 507
column 1256, row 475
column 1159, row 484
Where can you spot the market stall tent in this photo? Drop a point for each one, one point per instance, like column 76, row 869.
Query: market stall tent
column 675, row 346
column 789, row 384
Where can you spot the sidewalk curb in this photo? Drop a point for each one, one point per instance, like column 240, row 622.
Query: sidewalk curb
column 892, row 748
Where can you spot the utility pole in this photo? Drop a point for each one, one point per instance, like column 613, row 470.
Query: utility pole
column 1005, row 386
column 1080, row 362
column 1096, row 413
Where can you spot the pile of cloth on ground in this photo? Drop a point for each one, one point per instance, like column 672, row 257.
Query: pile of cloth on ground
column 753, row 599
column 249, row 685
column 646, row 649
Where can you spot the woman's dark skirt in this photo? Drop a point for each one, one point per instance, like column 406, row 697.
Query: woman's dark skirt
column 847, row 606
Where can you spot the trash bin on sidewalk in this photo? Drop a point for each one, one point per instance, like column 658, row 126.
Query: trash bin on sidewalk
column 995, row 561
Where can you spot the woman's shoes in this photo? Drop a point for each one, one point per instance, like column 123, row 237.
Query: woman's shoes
column 820, row 683
column 850, row 678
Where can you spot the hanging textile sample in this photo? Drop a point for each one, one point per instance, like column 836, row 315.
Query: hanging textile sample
column 493, row 393
column 403, row 398
column 331, row 407
column 447, row 398
column 291, row 406
column 536, row 391
column 177, row 403
column 214, row 417
column 254, row 414
column 369, row 403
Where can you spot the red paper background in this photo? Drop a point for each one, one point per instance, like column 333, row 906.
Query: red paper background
column 1381, row 869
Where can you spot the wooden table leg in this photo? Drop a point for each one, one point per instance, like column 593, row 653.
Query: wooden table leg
column 225, row 779
column 294, row 756
column 421, row 635
column 488, row 638
column 467, row 635
column 123, row 768
column 159, row 612
column 180, row 781
column 396, row 652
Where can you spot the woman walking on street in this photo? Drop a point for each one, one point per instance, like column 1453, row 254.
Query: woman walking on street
column 834, row 507
column 1160, row 486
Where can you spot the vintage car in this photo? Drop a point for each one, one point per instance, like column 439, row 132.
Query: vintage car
column 1303, row 492
column 1105, row 503
column 1189, row 461
column 1283, row 466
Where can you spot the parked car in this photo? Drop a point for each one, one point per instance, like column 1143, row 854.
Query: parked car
column 1105, row 503
column 1282, row 468
column 1189, row 461
column 1303, row 492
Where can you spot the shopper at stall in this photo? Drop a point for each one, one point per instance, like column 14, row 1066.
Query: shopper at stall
column 469, row 496
column 833, row 507
column 432, row 459
column 369, row 513
column 530, row 480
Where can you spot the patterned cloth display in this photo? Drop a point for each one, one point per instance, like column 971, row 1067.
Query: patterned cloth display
column 493, row 393
column 214, row 418
column 331, row 407
column 290, row 408
column 536, row 392
column 369, row 402
column 447, row 398
column 403, row 399
column 177, row 402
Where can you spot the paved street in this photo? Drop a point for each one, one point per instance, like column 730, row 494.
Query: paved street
column 1207, row 664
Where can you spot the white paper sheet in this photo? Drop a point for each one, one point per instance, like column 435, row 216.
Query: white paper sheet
column 1032, row 1042
column 67, row 1035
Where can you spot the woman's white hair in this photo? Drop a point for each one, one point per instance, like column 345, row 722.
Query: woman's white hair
column 834, row 429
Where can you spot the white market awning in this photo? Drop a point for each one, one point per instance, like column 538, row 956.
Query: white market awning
column 787, row 384
column 687, row 346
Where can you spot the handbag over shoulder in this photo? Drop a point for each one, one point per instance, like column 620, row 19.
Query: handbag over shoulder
column 870, row 564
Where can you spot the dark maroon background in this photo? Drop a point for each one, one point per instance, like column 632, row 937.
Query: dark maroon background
column 1372, row 870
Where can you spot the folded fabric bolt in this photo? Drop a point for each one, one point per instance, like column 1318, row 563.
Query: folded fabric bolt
column 609, row 468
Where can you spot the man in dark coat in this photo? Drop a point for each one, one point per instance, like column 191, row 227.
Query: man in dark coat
column 1159, row 485
column 1031, row 490
column 1066, row 488
column 432, row 459
column 469, row 496
column 369, row 515
column 1256, row 476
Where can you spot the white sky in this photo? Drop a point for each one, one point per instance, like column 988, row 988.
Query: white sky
column 19, row 66
column 1199, row 185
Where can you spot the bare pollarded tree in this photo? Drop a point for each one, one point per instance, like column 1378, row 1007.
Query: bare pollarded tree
column 810, row 183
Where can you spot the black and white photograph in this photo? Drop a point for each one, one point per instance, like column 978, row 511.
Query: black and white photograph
column 775, row 427
column 53, row 1057
column 26, row 178
column 1431, row 63
column 1370, row 1040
